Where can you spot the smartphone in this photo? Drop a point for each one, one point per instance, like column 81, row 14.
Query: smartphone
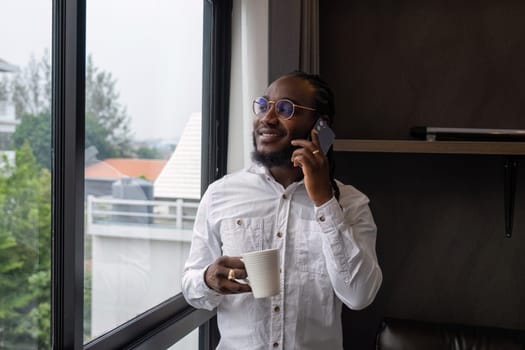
column 326, row 135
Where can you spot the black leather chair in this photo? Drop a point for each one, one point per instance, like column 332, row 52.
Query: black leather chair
column 396, row 334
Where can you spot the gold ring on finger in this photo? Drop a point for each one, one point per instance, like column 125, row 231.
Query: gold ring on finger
column 315, row 152
column 231, row 274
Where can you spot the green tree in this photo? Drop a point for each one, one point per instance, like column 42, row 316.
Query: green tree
column 36, row 130
column 99, row 137
column 31, row 87
column 104, row 114
column 107, row 122
column 145, row 152
column 25, row 263
column 25, row 195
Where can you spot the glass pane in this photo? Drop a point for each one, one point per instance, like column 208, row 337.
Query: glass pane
column 25, row 176
column 142, row 174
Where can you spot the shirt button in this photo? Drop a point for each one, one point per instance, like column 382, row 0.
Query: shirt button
column 284, row 196
column 322, row 218
column 279, row 234
column 275, row 345
column 277, row 309
column 238, row 222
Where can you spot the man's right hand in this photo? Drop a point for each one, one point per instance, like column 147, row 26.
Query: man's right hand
column 216, row 275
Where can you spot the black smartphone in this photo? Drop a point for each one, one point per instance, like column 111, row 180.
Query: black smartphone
column 325, row 134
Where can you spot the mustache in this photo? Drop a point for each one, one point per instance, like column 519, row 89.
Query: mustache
column 278, row 158
column 268, row 129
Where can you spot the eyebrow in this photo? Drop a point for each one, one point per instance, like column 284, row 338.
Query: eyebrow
column 282, row 98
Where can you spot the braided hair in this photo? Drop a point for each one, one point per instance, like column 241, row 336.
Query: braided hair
column 325, row 106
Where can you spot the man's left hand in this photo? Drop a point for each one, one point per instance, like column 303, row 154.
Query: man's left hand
column 315, row 168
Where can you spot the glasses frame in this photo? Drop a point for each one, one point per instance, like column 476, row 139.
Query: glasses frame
column 270, row 102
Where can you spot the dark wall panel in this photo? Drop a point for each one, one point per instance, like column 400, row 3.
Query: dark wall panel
column 284, row 37
column 441, row 241
column 398, row 64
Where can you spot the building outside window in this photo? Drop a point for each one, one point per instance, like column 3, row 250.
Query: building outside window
column 8, row 120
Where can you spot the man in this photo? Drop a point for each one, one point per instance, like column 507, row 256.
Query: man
column 289, row 200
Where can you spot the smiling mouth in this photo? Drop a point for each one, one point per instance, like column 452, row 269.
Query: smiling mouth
column 267, row 136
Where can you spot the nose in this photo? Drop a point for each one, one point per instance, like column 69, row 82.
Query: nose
column 270, row 117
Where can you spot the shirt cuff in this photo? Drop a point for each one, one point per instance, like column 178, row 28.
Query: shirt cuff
column 200, row 292
column 205, row 287
column 329, row 215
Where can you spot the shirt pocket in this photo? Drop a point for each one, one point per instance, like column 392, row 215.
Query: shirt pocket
column 241, row 235
column 309, row 247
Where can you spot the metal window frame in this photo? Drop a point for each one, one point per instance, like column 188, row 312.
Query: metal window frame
column 215, row 108
column 216, row 88
column 67, row 154
column 173, row 319
column 157, row 328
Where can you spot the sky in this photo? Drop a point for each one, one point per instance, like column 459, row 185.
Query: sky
column 152, row 48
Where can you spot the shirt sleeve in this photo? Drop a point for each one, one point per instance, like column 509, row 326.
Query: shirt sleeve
column 349, row 236
column 205, row 248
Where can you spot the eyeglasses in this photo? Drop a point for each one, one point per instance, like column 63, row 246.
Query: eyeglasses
column 283, row 107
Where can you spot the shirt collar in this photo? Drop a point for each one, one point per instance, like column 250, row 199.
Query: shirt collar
column 256, row 168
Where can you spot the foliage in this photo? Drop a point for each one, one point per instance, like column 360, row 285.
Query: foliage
column 144, row 152
column 36, row 130
column 88, row 278
column 107, row 122
column 31, row 87
column 25, row 194
column 25, row 261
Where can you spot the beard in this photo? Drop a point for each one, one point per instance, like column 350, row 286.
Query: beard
column 273, row 159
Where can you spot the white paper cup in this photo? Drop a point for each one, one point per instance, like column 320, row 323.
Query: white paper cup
column 262, row 268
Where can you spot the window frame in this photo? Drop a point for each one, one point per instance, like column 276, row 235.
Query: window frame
column 67, row 118
column 160, row 326
column 168, row 322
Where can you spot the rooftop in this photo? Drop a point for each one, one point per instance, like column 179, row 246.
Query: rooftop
column 117, row 168
column 181, row 177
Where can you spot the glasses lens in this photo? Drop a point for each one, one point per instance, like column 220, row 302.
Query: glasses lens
column 260, row 105
column 284, row 108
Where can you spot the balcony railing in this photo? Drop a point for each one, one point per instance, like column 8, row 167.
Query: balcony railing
column 150, row 219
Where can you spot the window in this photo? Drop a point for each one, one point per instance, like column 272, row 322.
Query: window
column 25, row 174
column 143, row 154
column 74, row 253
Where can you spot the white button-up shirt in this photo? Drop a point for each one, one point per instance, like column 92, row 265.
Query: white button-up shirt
column 327, row 256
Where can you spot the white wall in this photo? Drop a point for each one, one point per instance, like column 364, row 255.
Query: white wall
column 249, row 76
